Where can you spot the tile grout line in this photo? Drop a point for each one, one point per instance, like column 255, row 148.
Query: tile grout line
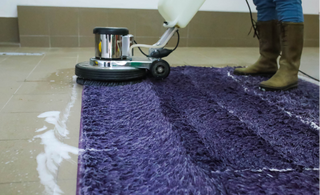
column 4, row 59
column 35, row 67
column 6, row 103
column 49, row 30
column 78, row 28
column 18, row 88
column 9, row 56
column 21, row 83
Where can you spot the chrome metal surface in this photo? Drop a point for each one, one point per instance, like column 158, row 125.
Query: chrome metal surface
column 108, row 46
column 164, row 39
column 88, row 64
column 166, row 36
column 160, row 44
column 135, row 62
column 160, row 69
column 127, row 41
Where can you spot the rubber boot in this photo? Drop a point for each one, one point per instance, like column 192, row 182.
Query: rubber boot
column 291, row 46
column 269, row 46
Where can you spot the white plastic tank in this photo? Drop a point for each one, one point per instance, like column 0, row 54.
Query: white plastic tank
column 179, row 12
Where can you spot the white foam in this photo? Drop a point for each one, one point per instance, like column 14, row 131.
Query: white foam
column 41, row 129
column 96, row 150
column 55, row 151
column 313, row 125
column 266, row 169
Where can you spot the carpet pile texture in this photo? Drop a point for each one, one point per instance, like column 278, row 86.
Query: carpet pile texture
column 200, row 131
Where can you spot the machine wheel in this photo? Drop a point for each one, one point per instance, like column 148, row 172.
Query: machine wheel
column 80, row 81
column 160, row 69
column 88, row 72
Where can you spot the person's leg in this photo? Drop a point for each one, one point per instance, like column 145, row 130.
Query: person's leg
column 289, row 10
column 269, row 40
column 266, row 10
column 292, row 30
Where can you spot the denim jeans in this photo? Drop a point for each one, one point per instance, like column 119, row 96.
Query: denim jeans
column 282, row 10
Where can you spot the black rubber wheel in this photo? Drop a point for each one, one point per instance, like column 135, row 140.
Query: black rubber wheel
column 88, row 72
column 80, row 81
column 160, row 69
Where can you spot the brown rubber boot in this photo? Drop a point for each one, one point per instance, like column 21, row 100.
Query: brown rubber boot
column 269, row 44
column 291, row 46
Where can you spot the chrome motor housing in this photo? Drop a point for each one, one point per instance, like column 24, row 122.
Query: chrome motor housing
column 112, row 43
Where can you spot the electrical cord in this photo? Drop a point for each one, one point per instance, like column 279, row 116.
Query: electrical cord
column 141, row 49
column 253, row 23
column 254, row 26
column 171, row 51
column 178, row 42
column 309, row 76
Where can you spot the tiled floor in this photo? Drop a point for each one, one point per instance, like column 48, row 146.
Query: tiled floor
column 38, row 147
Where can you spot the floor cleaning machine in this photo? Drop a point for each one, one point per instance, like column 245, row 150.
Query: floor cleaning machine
column 114, row 47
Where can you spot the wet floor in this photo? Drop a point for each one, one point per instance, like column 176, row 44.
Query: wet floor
column 40, row 108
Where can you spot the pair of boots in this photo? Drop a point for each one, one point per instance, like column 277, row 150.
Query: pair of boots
column 288, row 39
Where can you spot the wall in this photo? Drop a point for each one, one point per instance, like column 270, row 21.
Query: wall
column 8, row 8
column 9, row 33
column 72, row 27
column 9, row 22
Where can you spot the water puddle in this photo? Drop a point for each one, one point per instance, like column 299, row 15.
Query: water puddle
column 55, row 151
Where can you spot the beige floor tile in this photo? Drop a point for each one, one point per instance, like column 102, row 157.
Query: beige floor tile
column 18, row 68
column 54, row 69
column 191, row 57
column 237, row 56
column 38, row 88
column 14, row 75
column 18, row 160
column 69, row 187
column 174, row 60
column 73, row 124
column 86, row 49
column 52, row 75
column 4, row 98
column 72, row 140
column 25, row 63
column 9, row 87
column 3, row 58
column 37, row 103
column 85, row 57
column 63, row 52
column 218, row 57
column 32, row 49
column 310, row 62
column 68, row 169
column 18, row 126
column 22, row 188
column 52, row 63
column 65, row 63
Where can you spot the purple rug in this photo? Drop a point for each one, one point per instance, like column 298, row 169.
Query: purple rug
column 200, row 131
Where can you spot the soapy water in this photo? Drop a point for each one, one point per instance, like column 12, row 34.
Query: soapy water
column 55, row 151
